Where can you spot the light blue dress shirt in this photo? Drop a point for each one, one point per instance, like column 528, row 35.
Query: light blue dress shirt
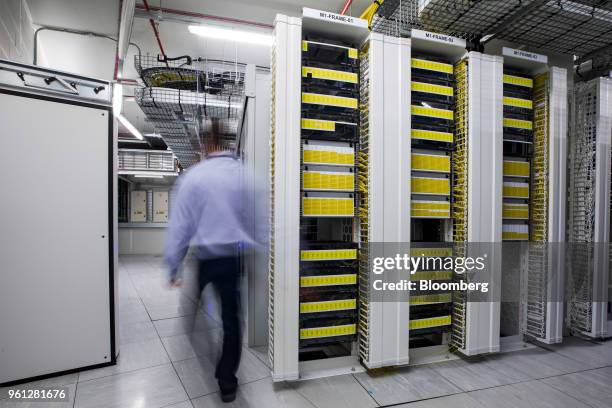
column 210, row 211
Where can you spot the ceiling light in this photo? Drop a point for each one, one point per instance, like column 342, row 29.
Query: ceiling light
column 130, row 127
column 117, row 99
column 249, row 37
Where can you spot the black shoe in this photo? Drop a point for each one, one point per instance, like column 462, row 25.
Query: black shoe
column 228, row 396
column 228, row 390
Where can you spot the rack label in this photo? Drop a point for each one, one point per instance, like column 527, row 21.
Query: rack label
column 336, row 18
column 530, row 56
column 439, row 38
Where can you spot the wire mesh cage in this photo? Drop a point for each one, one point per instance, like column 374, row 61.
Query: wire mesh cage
column 183, row 93
column 574, row 27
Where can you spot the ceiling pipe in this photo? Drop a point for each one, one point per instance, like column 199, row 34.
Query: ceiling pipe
column 125, row 33
column 201, row 16
column 154, row 27
column 346, row 7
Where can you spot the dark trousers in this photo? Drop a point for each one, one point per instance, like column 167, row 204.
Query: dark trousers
column 224, row 275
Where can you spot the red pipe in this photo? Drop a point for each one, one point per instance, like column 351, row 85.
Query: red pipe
column 202, row 16
column 154, row 27
column 346, row 7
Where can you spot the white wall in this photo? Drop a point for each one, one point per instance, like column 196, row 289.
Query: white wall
column 147, row 240
column 16, row 31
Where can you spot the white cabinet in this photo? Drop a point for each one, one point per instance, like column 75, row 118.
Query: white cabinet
column 160, row 206
column 138, row 206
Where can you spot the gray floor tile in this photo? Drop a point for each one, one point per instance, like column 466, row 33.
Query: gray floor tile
column 261, row 352
column 198, row 374
column 406, row 385
column 133, row 332
column 591, row 355
column 451, row 401
column 258, row 394
column 132, row 356
column 158, row 311
column 154, row 387
column 183, row 346
column 342, row 391
column 528, row 394
column 12, row 403
column 478, row 374
column 184, row 325
column 184, row 404
column 132, row 312
column 592, row 387
column 533, row 363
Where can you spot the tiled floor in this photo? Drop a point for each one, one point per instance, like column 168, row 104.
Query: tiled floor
column 160, row 366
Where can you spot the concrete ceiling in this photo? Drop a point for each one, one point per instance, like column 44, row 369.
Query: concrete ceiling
column 91, row 56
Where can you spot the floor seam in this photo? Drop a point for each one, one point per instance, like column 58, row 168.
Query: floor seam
column 123, row 372
column 571, row 396
column 364, row 388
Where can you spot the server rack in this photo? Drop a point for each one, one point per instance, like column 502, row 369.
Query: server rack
column 589, row 312
column 534, row 160
column 453, row 190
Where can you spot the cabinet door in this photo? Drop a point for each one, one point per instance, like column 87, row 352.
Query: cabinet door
column 160, row 206
column 138, row 205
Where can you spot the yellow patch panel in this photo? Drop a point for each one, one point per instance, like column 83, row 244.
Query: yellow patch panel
column 327, row 180
column 519, row 124
column 432, row 88
column 432, row 112
column 328, row 280
column 515, row 211
column 328, row 207
column 430, row 322
column 328, row 254
column 516, row 80
column 317, row 124
column 432, row 66
column 330, row 74
column 431, row 162
column 431, row 252
column 515, row 232
column 344, row 157
column 430, row 209
column 431, row 135
column 329, row 331
column 352, row 52
column 516, row 190
column 329, row 100
column 515, row 236
column 433, row 186
column 328, row 306
column 431, row 299
column 516, row 168
column 518, row 102
column 431, row 275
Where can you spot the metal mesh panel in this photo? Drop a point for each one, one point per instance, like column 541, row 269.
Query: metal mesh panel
column 582, row 204
column 460, row 196
column 271, row 259
column 536, row 273
column 363, row 185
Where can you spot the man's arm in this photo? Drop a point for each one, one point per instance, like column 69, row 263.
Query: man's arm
column 181, row 227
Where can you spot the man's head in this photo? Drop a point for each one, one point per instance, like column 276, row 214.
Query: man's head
column 212, row 135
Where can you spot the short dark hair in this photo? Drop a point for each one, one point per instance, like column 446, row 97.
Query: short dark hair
column 212, row 134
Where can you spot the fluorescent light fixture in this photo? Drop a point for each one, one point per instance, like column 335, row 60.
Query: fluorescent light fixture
column 249, row 37
column 155, row 176
column 130, row 127
column 117, row 99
